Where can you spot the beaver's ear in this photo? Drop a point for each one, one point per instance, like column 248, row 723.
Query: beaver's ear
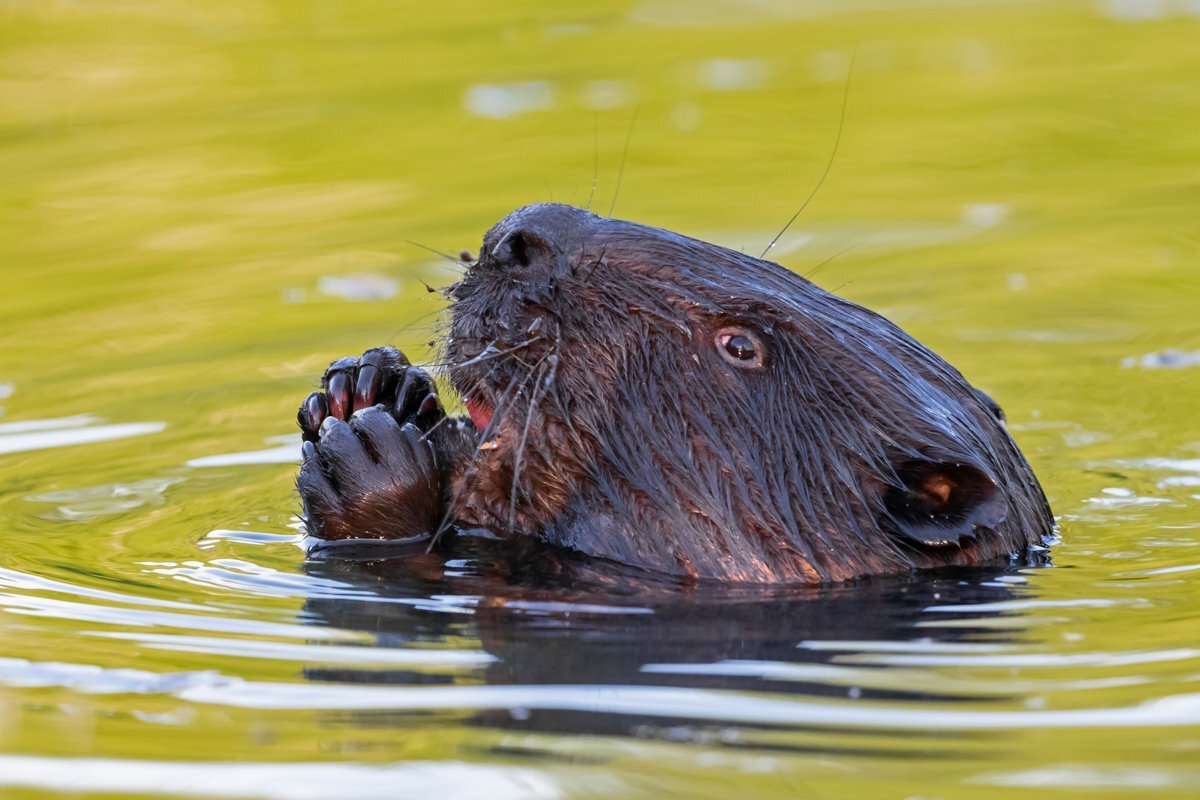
column 942, row 503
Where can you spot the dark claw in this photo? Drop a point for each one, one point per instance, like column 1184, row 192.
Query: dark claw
column 387, row 357
column 412, row 392
column 428, row 404
column 365, row 390
column 313, row 412
column 343, row 364
column 339, row 396
column 430, row 412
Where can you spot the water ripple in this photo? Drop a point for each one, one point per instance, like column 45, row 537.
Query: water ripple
column 907, row 680
column 312, row 654
column 1074, row 776
column 212, row 688
column 693, row 704
column 12, row 579
column 84, row 612
column 446, row 780
column 16, row 437
column 1053, row 660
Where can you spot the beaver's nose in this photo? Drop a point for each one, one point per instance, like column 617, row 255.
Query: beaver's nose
column 535, row 236
column 521, row 248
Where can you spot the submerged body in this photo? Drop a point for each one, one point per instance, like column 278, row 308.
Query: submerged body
column 639, row 396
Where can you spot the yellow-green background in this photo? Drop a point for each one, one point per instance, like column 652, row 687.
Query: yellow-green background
column 1020, row 183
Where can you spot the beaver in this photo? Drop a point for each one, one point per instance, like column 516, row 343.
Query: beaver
column 641, row 397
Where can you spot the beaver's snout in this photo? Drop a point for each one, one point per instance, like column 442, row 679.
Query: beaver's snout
column 536, row 236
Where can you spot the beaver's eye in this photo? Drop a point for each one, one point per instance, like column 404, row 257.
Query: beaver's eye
column 740, row 347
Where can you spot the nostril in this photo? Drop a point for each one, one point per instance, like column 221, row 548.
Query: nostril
column 520, row 249
column 519, row 246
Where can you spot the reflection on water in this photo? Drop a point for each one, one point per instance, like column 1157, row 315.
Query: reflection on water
column 62, row 432
column 449, row 780
column 202, row 206
column 287, row 451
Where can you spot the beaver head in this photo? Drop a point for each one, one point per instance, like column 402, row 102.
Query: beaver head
column 664, row 402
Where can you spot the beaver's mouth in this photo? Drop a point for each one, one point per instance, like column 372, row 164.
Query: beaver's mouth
column 490, row 378
column 481, row 413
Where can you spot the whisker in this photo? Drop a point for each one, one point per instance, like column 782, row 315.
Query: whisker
column 436, row 252
column 599, row 258
column 413, row 323
column 837, row 141
column 519, row 457
column 488, row 354
column 485, row 436
column 552, row 380
column 838, row 254
column 624, row 153
column 441, row 291
column 595, row 157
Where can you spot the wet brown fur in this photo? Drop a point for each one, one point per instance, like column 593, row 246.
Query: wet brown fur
column 619, row 431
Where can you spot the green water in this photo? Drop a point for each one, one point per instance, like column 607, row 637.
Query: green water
column 187, row 190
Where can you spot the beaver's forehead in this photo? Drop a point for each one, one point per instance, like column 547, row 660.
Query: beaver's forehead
column 698, row 263
column 648, row 266
column 708, row 277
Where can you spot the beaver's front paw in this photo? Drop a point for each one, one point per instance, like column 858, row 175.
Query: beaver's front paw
column 369, row 477
column 382, row 376
column 369, row 470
